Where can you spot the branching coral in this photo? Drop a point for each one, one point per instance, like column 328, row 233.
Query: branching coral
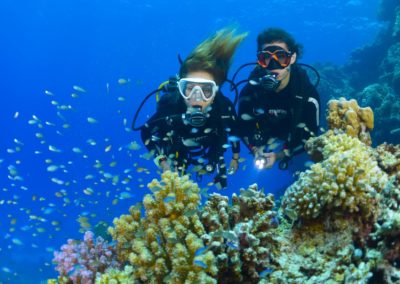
column 78, row 262
column 115, row 276
column 241, row 235
column 352, row 119
column 165, row 243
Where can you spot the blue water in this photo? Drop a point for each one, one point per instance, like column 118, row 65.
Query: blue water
column 54, row 45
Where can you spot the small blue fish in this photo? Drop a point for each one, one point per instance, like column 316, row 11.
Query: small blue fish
column 125, row 195
column 274, row 221
column 200, row 251
column 265, row 272
column 200, row 263
column 77, row 267
column 48, row 210
column 233, row 139
column 232, row 245
column 169, row 199
column 259, row 111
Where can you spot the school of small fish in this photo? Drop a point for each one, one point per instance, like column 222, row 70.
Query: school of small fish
column 79, row 166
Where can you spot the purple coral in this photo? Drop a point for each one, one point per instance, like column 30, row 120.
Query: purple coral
column 80, row 261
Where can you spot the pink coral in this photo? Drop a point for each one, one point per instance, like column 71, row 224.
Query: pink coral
column 80, row 261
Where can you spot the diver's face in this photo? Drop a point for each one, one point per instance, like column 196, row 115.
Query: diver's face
column 193, row 101
column 283, row 75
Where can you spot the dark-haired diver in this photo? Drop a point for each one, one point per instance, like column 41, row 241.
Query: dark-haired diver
column 195, row 123
column 278, row 102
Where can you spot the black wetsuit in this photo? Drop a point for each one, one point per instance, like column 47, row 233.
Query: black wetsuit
column 167, row 134
column 290, row 115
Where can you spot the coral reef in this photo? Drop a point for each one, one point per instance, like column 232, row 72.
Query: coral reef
column 241, row 235
column 115, row 276
column 348, row 180
column 386, row 237
column 388, row 157
column 163, row 246
column 372, row 76
column 338, row 223
column 386, row 106
column 352, row 119
column 79, row 262
column 314, row 254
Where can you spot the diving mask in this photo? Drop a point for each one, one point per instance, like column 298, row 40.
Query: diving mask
column 274, row 57
column 198, row 88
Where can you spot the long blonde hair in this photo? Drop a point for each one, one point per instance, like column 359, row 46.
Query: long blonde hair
column 213, row 55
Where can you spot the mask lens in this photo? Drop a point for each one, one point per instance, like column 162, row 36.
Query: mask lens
column 207, row 90
column 190, row 86
column 280, row 56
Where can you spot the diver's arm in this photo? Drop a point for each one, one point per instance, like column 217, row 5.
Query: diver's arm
column 232, row 123
column 234, row 138
column 310, row 119
column 151, row 134
column 312, row 112
column 246, row 120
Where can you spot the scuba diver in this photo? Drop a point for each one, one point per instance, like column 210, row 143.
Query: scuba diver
column 195, row 123
column 278, row 103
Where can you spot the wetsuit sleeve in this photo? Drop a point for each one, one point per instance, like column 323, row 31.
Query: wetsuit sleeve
column 152, row 135
column 158, row 127
column 247, row 122
column 310, row 118
column 232, row 124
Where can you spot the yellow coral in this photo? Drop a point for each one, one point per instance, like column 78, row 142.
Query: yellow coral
column 348, row 181
column 115, row 276
column 351, row 118
column 162, row 246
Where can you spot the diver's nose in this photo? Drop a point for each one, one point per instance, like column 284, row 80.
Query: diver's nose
column 197, row 95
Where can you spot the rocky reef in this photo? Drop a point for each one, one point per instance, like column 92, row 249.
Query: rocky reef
column 372, row 76
column 338, row 223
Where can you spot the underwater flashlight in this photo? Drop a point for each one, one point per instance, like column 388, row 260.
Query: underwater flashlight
column 260, row 163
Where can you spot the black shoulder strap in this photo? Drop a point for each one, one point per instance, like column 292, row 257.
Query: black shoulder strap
column 172, row 85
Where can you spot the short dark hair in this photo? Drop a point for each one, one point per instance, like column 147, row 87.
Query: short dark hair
column 276, row 34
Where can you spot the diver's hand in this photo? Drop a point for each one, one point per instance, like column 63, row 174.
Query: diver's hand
column 270, row 159
column 257, row 151
column 265, row 160
column 165, row 166
column 234, row 165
